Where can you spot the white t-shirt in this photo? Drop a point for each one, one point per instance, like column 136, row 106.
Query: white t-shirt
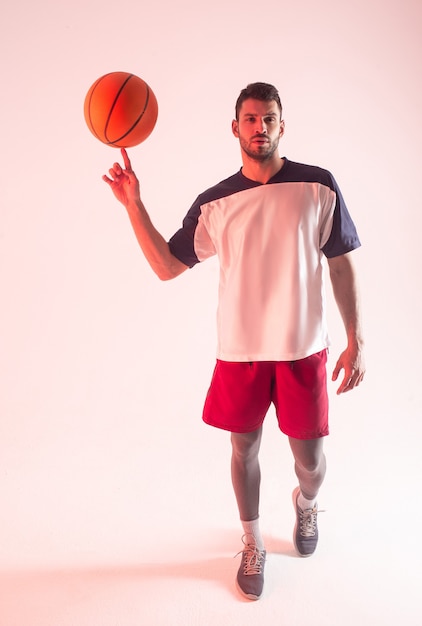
column 270, row 240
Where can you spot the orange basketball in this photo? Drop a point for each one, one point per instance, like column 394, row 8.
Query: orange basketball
column 120, row 109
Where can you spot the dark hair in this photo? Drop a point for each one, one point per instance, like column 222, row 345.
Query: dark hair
column 258, row 91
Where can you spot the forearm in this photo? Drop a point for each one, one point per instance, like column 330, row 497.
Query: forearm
column 346, row 293
column 154, row 247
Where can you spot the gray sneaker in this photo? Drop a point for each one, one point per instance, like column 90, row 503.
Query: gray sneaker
column 305, row 535
column 250, row 577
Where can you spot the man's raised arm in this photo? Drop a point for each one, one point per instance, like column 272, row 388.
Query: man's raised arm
column 125, row 186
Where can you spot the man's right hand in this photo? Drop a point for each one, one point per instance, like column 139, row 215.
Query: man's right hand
column 123, row 182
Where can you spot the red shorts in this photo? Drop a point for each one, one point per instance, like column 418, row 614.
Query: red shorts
column 241, row 393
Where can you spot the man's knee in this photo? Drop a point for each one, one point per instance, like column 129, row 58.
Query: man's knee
column 246, row 445
column 309, row 454
column 312, row 465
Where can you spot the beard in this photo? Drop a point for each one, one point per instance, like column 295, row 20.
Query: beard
column 260, row 152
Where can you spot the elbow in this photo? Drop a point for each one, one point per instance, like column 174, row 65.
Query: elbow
column 164, row 277
column 166, row 273
column 167, row 268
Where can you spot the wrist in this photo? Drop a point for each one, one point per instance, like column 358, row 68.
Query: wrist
column 134, row 205
column 356, row 342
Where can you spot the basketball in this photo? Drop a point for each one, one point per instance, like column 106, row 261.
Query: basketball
column 120, row 109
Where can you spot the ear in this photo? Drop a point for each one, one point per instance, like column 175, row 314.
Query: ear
column 282, row 128
column 235, row 128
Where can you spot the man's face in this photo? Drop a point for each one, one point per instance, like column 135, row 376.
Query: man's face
column 259, row 128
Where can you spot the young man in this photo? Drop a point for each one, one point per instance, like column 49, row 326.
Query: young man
column 270, row 224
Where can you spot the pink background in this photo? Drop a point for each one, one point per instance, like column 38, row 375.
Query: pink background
column 117, row 507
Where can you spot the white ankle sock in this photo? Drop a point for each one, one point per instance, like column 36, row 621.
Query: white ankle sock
column 253, row 533
column 304, row 503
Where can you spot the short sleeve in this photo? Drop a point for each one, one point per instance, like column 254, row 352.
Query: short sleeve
column 192, row 244
column 343, row 237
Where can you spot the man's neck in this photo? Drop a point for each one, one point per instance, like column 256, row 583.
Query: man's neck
column 261, row 171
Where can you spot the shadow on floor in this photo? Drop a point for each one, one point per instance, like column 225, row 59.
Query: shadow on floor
column 32, row 598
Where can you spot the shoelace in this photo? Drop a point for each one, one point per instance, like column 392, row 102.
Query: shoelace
column 252, row 560
column 308, row 521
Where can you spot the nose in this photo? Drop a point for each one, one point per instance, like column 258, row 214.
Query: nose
column 261, row 127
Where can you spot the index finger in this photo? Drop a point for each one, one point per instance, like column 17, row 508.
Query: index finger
column 348, row 383
column 126, row 160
